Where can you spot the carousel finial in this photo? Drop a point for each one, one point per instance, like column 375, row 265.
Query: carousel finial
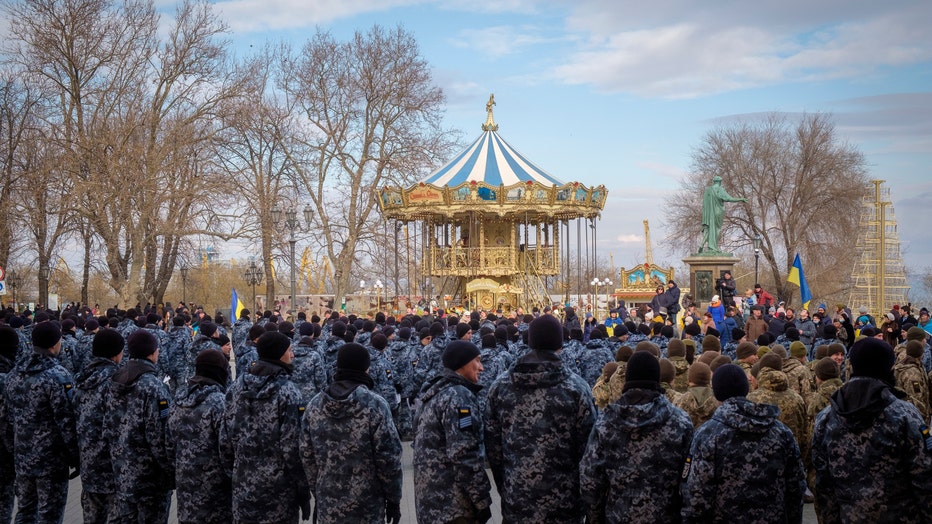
column 490, row 124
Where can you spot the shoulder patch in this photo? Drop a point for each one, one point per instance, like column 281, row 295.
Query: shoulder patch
column 686, row 466
column 465, row 418
column 163, row 408
column 301, row 409
column 926, row 437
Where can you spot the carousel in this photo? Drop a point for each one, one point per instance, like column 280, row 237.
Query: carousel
column 490, row 223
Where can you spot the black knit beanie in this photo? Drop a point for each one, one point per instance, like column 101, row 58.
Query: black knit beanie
column 46, row 334
column 729, row 381
column 871, row 357
column 108, row 343
column 9, row 342
column 642, row 372
column 272, row 345
column 141, row 343
column 212, row 364
column 459, row 353
column 545, row 334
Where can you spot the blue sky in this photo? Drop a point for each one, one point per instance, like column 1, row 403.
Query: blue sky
column 619, row 92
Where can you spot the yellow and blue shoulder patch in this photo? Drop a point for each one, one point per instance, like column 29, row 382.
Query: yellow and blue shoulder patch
column 686, row 466
column 163, row 408
column 926, row 437
column 465, row 418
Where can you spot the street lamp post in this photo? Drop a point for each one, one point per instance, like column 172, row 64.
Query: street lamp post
column 597, row 283
column 362, row 292
column 378, row 286
column 45, row 272
column 293, row 225
column 253, row 277
column 13, row 283
column 757, row 246
column 184, row 285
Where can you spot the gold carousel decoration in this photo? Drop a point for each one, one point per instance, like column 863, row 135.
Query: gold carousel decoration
column 491, row 223
column 639, row 284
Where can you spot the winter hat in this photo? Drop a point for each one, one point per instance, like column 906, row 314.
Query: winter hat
column 779, row 350
column 798, row 349
column 545, row 334
column 42, row 316
column 712, row 332
column 339, row 329
column 771, row 361
column 737, row 333
column 488, row 341
column 868, row 331
column 667, row 331
column 67, row 325
column 623, row 354
column 9, row 342
column 107, row 343
column 16, row 322
column 834, row 349
column 914, row 349
column 719, row 361
column 729, row 381
column 461, row 329
column 708, row 356
column 862, row 310
column 387, row 331
column 916, row 333
column 644, row 329
column 642, row 371
column 826, row 369
column 821, row 352
column 711, row 343
column 423, row 333
column 764, row 339
column 699, row 374
column 459, row 353
column 46, row 334
column 649, row 347
column 141, row 343
column 404, row 333
column 91, row 325
column 306, row 329
column 208, row 329
column 353, row 356
column 871, row 357
column 715, row 298
column 830, row 331
column 212, row 364
column 762, row 350
column 620, row 331
column 378, row 341
column 692, row 329
column 676, row 348
column 791, row 333
column 745, row 350
column 255, row 332
column 690, row 350
column 667, row 371
column 272, row 345
column 286, row 328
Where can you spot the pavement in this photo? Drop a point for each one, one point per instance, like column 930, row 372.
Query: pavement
column 73, row 510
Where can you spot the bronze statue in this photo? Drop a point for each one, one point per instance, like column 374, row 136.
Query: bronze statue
column 713, row 214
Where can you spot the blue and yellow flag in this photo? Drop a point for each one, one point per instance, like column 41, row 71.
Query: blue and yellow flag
column 236, row 306
column 797, row 277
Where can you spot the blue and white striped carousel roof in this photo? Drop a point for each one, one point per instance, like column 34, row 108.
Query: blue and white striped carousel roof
column 491, row 160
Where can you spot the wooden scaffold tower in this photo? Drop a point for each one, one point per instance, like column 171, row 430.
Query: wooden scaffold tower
column 879, row 274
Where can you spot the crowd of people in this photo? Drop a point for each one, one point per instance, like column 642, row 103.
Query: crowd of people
column 651, row 415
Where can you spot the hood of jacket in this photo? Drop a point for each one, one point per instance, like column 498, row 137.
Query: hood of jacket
column 862, row 400
column 772, row 380
column 640, row 409
column 96, row 372
column 196, row 392
column 124, row 381
column 302, row 349
column 38, row 361
column 261, row 380
column 743, row 415
column 443, row 380
column 349, row 406
column 538, row 370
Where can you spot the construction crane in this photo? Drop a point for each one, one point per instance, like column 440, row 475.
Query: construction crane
column 649, row 254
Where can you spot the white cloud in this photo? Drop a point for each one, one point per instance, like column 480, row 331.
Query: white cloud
column 497, row 41
column 681, row 52
column 629, row 239
column 266, row 15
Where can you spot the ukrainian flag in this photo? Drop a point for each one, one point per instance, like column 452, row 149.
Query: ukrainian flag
column 236, row 306
column 797, row 277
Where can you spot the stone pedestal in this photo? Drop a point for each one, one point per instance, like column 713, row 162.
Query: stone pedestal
column 703, row 272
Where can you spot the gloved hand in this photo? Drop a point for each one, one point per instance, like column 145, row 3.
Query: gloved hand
column 609, row 369
column 485, row 515
column 392, row 512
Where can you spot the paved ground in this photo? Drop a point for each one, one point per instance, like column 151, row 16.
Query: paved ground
column 73, row 511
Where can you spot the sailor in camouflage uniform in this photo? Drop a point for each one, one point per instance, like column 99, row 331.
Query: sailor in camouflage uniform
column 136, row 428
column 240, row 330
column 744, row 464
column 246, row 355
column 84, row 349
column 380, row 370
column 430, row 362
column 38, row 397
column 400, row 353
column 69, row 356
column 593, row 357
column 9, row 345
column 870, row 449
column 539, row 420
column 203, row 487
column 92, row 401
column 309, row 373
column 449, row 460
column 259, row 438
column 179, row 361
column 631, row 469
column 330, row 346
column 349, row 447
column 911, row 378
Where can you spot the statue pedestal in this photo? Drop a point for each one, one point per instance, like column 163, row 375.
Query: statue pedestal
column 703, row 271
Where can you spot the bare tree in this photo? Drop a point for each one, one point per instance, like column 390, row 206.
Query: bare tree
column 372, row 117
column 803, row 187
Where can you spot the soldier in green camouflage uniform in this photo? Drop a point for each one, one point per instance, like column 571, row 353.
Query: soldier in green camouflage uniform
column 797, row 372
column 912, row 378
column 870, row 449
column 350, row 449
column 631, row 469
column 449, row 462
column 676, row 353
column 773, row 389
column 608, row 387
column 827, row 383
column 667, row 374
column 744, row 464
column 698, row 401
column 539, row 420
